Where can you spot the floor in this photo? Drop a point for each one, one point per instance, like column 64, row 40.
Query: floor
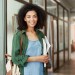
column 68, row 68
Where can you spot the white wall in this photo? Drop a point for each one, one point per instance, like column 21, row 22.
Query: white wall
column 12, row 8
column 73, row 32
column 2, row 41
column 72, row 24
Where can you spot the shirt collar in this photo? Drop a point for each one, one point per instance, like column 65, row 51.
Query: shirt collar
column 23, row 31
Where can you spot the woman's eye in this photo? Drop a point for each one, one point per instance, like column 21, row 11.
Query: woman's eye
column 28, row 17
column 35, row 16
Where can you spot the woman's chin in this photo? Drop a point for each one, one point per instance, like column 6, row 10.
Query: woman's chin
column 32, row 25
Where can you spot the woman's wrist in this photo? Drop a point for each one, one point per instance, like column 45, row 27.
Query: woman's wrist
column 32, row 59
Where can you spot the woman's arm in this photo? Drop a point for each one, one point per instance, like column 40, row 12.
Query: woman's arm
column 42, row 58
column 17, row 58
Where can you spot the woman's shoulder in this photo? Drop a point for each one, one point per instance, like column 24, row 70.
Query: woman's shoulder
column 17, row 33
column 40, row 33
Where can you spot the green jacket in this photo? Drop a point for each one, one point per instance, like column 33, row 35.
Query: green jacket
column 18, row 59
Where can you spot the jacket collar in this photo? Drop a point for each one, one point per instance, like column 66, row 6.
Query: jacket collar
column 24, row 31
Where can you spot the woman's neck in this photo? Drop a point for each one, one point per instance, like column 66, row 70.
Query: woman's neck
column 30, row 30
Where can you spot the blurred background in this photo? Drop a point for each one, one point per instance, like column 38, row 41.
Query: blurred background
column 59, row 29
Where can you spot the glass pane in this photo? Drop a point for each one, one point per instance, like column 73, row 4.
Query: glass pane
column 48, row 26
column 55, row 35
column 60, row 35
column 40, row 3
column 60, row 12
column 52, row 7
column 11, row 21
column 55, row 61
column 66, row 55
column 49, row 31
column 65, row 15
column 66, row 35
column 61, row 59
column 14, row 22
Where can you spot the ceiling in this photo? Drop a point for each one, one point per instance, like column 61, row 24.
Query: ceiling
column 71, row 4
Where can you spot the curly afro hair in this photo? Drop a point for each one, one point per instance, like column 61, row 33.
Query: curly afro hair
column 29, row 7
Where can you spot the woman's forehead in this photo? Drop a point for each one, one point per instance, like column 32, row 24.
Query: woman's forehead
column 32, row 12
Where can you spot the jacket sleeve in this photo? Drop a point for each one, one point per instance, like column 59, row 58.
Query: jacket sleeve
column 18, row 59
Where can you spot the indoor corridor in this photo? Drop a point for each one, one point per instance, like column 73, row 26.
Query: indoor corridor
column 68, row 68
column 59, row 29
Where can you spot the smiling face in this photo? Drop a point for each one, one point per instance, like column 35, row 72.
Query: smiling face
column 31, row 18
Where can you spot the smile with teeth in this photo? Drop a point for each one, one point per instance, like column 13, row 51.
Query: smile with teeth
column 32, row 22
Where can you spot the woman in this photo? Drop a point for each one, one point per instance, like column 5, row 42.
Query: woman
column 30, row 61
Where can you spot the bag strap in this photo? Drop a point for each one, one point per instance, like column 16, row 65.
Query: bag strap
column 21, row 44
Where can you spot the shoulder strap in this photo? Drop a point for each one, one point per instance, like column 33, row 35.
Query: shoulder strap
column 21, row 44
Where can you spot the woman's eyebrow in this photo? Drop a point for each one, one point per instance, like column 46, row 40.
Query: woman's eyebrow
column 33, row 15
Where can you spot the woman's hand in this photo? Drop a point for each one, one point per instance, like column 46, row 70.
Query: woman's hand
column 7, row 55
column 43, row 58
